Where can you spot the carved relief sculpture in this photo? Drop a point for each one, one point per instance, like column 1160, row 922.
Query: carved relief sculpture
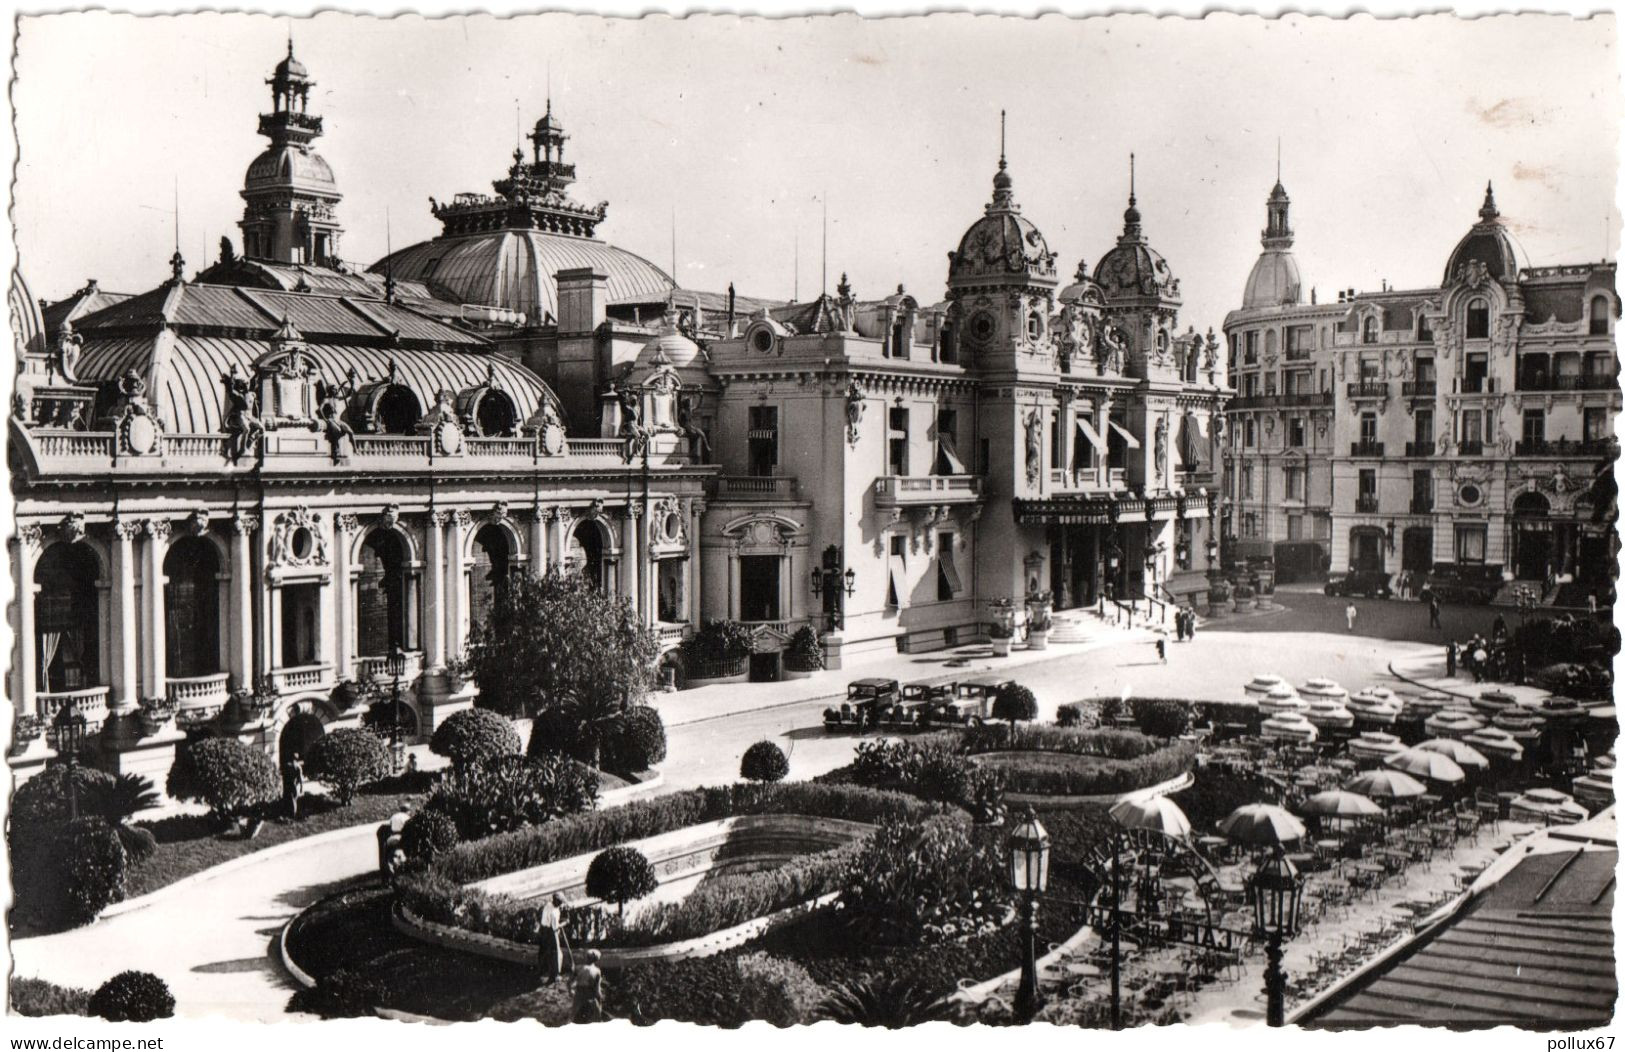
column 1035, row 446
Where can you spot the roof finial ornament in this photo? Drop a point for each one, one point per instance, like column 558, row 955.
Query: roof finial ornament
column 1277, row 160
column 1131, row 177
column 1488, row 212
column 1001, row 140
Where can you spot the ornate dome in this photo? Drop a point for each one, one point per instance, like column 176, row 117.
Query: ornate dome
column 1133, row 267
column 1003, row 241
column 290, row 165
column 1487, row 243
column 516, row 269
column 291, row 68
column 1274, row 282
column 670, row 347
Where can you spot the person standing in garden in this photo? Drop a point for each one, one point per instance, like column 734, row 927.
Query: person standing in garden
column 293, row 785
column 1351, row 613
column 589, row 990
column 550, row 951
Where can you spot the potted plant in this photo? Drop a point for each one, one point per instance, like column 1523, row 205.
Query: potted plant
column 459, row 670
column 1040, row 619
column 805, row 654
column 1218, row 594
column 1243, row 596
column 1003, row 626
column 154, row 714
column 26, row 731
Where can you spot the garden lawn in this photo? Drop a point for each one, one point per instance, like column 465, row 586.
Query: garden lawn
column 189, row 844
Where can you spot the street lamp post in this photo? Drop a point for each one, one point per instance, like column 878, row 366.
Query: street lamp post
column 397, row 666
column 1277, row 892
column 1029, row 874
column 69, row 731
column 834, row 586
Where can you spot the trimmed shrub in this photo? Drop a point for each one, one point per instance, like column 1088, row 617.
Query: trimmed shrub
column 556, row 732
column 344, row 994
column 634, row 741
column 510, row 792
column 36, row 997
column 1162, row 717
column 764, row 762
column 474, row 736
column 915, row 883
column 348, row 758
column 1069, row 716
column 805, row 653
column 428, row 834
column 619, row 875
column 232, row 778
column 1097, row 776
column 1015, row 702
column 133, row 997
column 776, row 990
column 44, row 798
column 90, row 866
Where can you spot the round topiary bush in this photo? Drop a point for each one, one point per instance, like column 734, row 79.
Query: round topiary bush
column 90, row 866
column 44, row 799
column 1014, row 702
column 475, row 735
column 635, row 741
column 428, row 833
column 620, row 874
column 764, row 762
column 348, row 758
column 1162, row 717
column 1069, row 716
column 133, row 997
column 232, row 778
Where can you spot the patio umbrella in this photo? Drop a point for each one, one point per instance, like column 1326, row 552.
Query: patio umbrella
column 1262, row 825
column 1429, row 765
column 1464, row 755
column 1158, row 813
column 1393, row 785
column 1340, row 803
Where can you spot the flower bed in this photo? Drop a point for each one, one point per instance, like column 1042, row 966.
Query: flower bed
column 1065, row 774
column 439, row 894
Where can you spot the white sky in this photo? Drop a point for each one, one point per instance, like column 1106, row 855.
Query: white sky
column 1389, row 128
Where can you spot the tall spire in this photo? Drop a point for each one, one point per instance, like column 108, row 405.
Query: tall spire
column 1278, row 232
column 1001, row 140
column 1131, row 215
column 1488, row 212
column 1004, row 198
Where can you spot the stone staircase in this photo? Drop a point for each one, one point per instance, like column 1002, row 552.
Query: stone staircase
column 1086, row 624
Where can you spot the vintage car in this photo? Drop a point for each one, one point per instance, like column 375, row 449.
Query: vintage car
column 1373, row 584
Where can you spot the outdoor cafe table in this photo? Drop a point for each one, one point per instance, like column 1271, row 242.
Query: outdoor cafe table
column 1395, row 859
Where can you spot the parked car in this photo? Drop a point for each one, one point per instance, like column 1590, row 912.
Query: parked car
column 869, row 696
column 1373, row 584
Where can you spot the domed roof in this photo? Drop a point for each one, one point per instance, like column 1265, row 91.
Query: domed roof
column 1132, row 267
column 1082, row 287
column 1003, row 241
column 670, row 347
column 1486, row 243
column 289, row 164
column 516, row 269
column 1274, row 282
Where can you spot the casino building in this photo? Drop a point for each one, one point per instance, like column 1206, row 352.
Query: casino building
column 240, row 493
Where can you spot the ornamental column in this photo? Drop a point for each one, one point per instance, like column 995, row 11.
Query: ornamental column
column 629, row 553
column 558, row 520
column 24, row 553
column 540, row 556
column 696, row 579
column 156, row 682
column 434, row 602
column 126, row 685
column 456, row 583
column 345, row 526
column 240, row 609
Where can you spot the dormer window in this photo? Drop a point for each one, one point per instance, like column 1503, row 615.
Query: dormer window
column 1035, row 326
column 1424, row 331
column 1599, row 315
column 1478, row 320
column 398, row 410
column 1368, row 330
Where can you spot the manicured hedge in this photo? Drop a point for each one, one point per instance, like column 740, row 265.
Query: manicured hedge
column 594, row 831
column 1095, row 776
column 1039, row 737
column 36, row 997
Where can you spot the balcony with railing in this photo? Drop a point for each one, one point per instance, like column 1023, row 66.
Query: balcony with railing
column 1574, row 382
column 89, row 702
column 390, row 445
column 1564, row 447
column 1420, row 448
column 756, row 487
column 669, row 634
column 377, row 667
column 1368, row 389
column 785, row 627
column 1083, row 479
column 598, row 448
column 198, row 693
column 1366, row 503
column 1255, row 401
column 1365, row 448
column 1421, row 505
column 892, row 491
column 301, row 677
column 1420, row 388
column 1475, row 385
column 1470, row 447
column 1307, row 399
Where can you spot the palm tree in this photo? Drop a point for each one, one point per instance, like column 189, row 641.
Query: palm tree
column 879, row 1000
column 116, row 800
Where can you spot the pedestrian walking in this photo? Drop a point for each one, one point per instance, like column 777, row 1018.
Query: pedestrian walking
column 293, row 785
column 1351, row 613
column 549, row 948
column 1190, row 625
column 1450, row 658
column 1162, row 647
column 1433, row 611
column 589, row 989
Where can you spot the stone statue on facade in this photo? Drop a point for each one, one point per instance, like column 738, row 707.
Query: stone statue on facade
column 854, row 410
column 243, row 421
column 1161, row 447
column 688, row 421
column 1035, row 446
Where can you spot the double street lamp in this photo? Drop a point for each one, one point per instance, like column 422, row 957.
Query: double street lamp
column 1029, row 875
column 834, row 585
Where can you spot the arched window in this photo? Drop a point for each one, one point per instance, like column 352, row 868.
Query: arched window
column 488, row 574
column 67, row 622
column 386, row 606
column 1368, row 330
column 1478, row 320
column 496, row 414
column 398, row 411
column 1599, row 315
column 192, row 608
column 587, row 552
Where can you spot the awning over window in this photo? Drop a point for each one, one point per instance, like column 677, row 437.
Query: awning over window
column 896, row 587
column 945, row 559
column 1087, row 430
column 1125, row 434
